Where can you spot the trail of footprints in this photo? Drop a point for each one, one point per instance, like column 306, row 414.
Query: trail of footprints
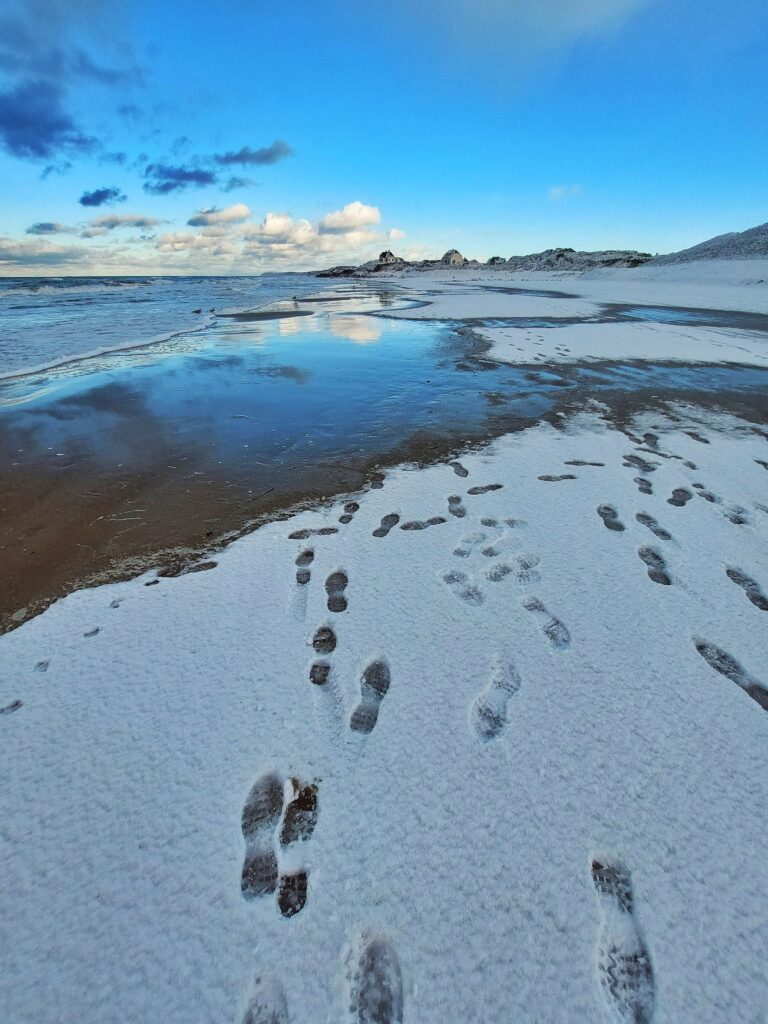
column 278, row 814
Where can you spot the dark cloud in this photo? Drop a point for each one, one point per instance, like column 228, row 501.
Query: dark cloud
column 162, row 178
column 34, row 124
column 45, row 49
column 234, row 183
column 37, row 253
column 247, row 156
column 100, row 196
column 125, row 220
column 33, row 43
column 49, row 227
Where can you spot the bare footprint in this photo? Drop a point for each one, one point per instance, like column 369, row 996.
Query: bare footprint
column 727, row 666
column 373, row 688
column 335, row 586
column 488, row 714
column 646, row 520
column 750, row 587
column 624, row 966
column 376, row 983
column 388, row 522
column 555, row 631
column 610, row 518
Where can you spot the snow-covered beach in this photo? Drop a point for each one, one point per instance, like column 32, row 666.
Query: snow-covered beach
column 481, row 741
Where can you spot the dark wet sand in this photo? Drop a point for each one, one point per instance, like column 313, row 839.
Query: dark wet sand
column 73, row 525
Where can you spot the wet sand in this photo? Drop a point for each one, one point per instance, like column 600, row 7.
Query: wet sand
column 73, row 519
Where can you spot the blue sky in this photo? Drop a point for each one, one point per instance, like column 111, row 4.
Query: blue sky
column 495, row 126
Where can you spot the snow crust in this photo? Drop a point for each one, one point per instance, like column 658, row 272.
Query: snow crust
column 703, row 284
column 649, row 342
column 556, row 780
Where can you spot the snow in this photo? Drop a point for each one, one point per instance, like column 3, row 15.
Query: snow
column 735, row 245
column 703, row 284
column 648, row 342
column 473, row 865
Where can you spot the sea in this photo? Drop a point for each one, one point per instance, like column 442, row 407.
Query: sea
column 45, row 321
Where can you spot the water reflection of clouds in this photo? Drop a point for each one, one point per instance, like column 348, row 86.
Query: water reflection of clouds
column 362, row 330
column 296, row 325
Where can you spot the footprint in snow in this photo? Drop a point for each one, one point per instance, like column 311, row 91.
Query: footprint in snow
column 267, row 1004
column 750, row 587
column 271, row 824
column 455, row 506
column 423, row 524
column 375, row 982
column 656, row 565
column 462, row 587
column 324, row 531
column 646, row 520
column 624, row 966
column 610, row 518
column 303, row 561
column 680, row 497
column 349, row 512
column 637, row 462
column 327, row 697
column 388, row 522
column 485, row 490
column 643, row 485
column 488, row 714
column 556, row 478
column 374, row 686
column 458, row 469
column 728, row 666
column 554, row 630
column 335, row 586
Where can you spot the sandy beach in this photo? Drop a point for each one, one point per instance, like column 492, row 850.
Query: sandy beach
column 486, row 688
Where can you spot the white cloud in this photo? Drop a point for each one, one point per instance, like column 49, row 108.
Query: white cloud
column 351, row 217
column 558, row 192
column 279, row 237
column 221, row 241
column 209, row 244
column 362, row 330
column 395, row 234
column 234, row 214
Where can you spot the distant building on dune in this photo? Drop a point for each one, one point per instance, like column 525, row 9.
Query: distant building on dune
column 453, row 258
column 495, row 260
